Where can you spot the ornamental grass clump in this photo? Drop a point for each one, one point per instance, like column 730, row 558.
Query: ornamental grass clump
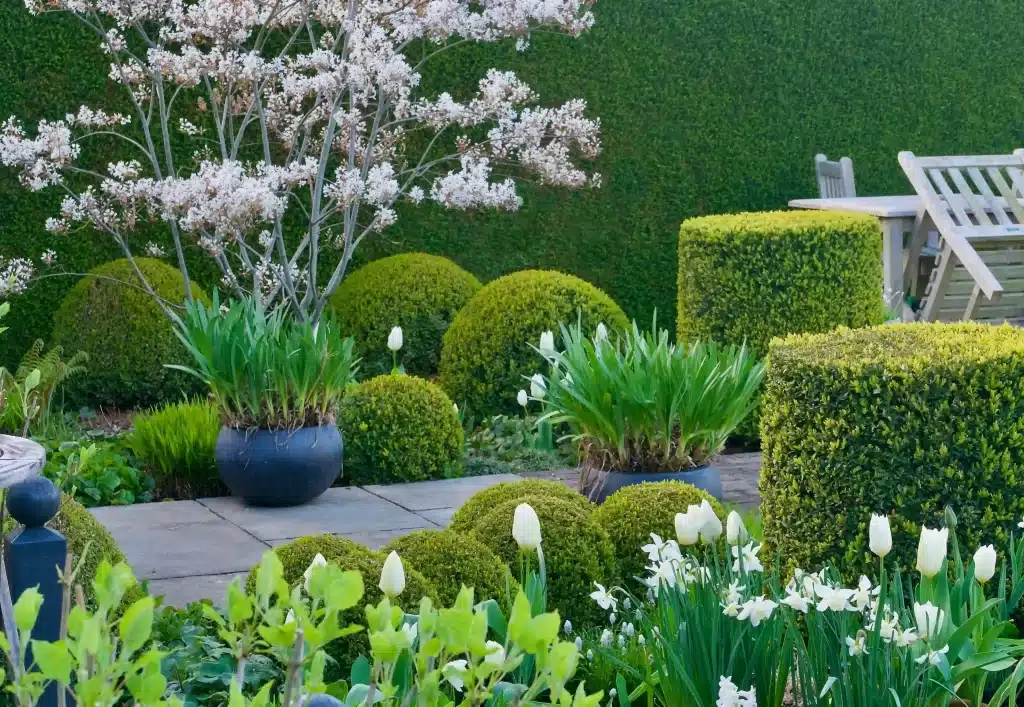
column 641, row 403
column 264, row 368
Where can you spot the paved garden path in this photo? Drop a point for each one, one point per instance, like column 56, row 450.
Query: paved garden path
column 191, row 550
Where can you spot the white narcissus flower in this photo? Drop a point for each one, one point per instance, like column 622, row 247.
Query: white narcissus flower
column 526, row 527
column 985, row 563
column 659, row 550
column 929, row 620
column 731, row 696
column 538, row 386
column 931, row 551
column 395, row 338
column 735, row 532
column 862, row 595
column 318, row 561
column 522, row 398
column 932, row 657
column 757, row 610
column 858, row 645
column 604, row 599
column 688, row 527
column 797, row 602
column 455, row 673
column 392, row 576
column 879, row 535
column 547, row 344
column 748, row 555
column 834, row 598
column 906, row 638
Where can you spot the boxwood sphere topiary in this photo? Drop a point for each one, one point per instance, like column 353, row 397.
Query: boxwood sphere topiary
column 419, row 292
column 486, row 351
column 127, row 336
column 483, row 502
column 632, row 513
column 577, row 552
column 399, row 428
column 296, row 557
column 451, row 560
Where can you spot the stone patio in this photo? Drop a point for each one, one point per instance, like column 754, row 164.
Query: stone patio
column 191, row 550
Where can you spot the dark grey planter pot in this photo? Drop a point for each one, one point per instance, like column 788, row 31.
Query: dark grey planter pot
column 279, row 467
column 600, row 485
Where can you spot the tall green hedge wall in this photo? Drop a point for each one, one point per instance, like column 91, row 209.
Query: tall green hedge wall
column 705, row 107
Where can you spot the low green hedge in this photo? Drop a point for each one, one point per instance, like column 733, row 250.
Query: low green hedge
column 109, row 316
column 486, row 350
column 899, row 420
column 419, row 292
column 632, row 513
column 399, row 428
column 483, row 502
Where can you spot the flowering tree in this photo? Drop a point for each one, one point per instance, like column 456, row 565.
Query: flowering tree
column 307, row 104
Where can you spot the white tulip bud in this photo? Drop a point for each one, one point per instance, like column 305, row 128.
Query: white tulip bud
column 526, row 527
column 538, row 386
column 931, row 551
column 985, row 563
column 879, row 535
column 712, row 528
column 395, row 339
column 392, row 576
column 688, row 528
column 496, row 654
column 318, row 561
column 547, row 344
column 522, row 398
column 735, row 532
column 602, row 332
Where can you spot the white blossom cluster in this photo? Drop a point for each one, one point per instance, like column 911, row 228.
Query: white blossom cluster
column 304, row 104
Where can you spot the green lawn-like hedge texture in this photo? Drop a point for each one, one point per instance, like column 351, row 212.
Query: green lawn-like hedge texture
column 705, row 107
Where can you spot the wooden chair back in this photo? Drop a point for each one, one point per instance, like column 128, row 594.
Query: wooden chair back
column 835, row 179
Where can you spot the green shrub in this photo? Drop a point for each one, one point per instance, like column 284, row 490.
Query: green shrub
column 296, row 557
column 451, row 560
column 103, row 473
column 631, row 514
column 577, row 552
column 899, row 420
column 419, row 292
column 126, row 335
column 176, row 445
column 399, row 428
column 487, row 350
column 483, row 502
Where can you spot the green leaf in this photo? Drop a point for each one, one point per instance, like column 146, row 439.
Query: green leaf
column 137, row 625
column 623, row 691
column 360, row 673
column 53, row 660
column 26, row 609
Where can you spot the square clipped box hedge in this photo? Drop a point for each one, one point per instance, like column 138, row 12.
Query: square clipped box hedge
column 900, row 420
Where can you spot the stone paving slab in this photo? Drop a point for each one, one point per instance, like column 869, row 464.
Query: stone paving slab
column 182, row 591
column 339, row 510
column 433, row 495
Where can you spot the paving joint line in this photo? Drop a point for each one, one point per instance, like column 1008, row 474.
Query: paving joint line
column 231, row 522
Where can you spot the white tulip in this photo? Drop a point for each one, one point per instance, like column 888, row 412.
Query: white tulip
column 392, row 576
column 929, row 620
column 496, row 654
column 547, row 344
column 985, row 563
column 395, row 339
column 879, row 535
column 931, row 551
column 318, row 561
column 538, row 386
column 688, row 527
column 602, row 332
column 526, row 527
column 522, row 398
column 735, row 532
column 712, row 528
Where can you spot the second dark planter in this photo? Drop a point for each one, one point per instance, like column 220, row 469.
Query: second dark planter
column 279, row 467
column 597, row 486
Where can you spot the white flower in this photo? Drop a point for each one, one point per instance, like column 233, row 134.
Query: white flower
column 931, row 551
column 641, row 640
column 929, row 619
column 732, row 608
column 730, row 696
column 622, row 641
column 526, row 527
column 392, row 576
column 49, row 257
column 1020, row 524
column 735, row 532
column 495, row 654
column 879, row 535
column 629, row 630
column 858, row 645
column 757, row 610
column 834, row 598
column 750, row 561
column 906, row 638
column 579, row 644
column 712, row 528
column 455, row 673
column 409, row 632
column 862, row 595
column 688, row 527
column 612, row 618
column 290, row 618
column 932, row 657
column 890, row 627
column 538, row 386
column 547, row 344
column 798, row 602
column 606, row 638
column 590, row 654
column 602, row 332
column 395, row 338
column 522, row 398
column 659, row 550
column 567, row 626
column 318, row 561
column 985, row 563
column 663, row 574
column 603, row 598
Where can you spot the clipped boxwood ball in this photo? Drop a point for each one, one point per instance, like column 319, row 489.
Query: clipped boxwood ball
column 632, row 513
column 296, row 557
column 451, row 560
column 127, row 336
column 399, row 428
column 483, row 502
column 577, row 552
column 487, row 351
column 419, row 292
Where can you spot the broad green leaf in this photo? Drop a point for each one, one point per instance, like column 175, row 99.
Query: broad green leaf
column 137, row 625
column 26, row 609
column 53, row 660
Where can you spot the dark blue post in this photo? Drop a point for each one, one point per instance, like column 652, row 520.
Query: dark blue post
column 34, row 554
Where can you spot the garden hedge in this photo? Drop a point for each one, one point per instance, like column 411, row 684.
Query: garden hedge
column 127, row 336
column 399, row 428
column 487, row 349
column 899, row 420
column 176, row 444
column 688, row 128
column 632, row 513
column 419, row 292
column 483, row 502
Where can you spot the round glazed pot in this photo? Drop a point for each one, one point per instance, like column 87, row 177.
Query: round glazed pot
column 279, row 467
column 599, row 485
